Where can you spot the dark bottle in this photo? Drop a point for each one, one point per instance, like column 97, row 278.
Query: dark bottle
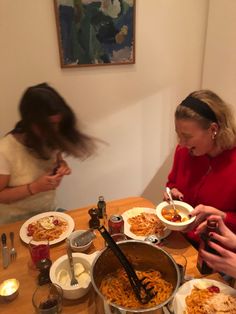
column 212, row 226
column 101, row 207
column 94, row 222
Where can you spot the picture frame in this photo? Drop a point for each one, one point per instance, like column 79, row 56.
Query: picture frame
column 95, row 32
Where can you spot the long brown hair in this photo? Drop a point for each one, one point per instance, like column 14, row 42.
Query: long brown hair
column 36, row 106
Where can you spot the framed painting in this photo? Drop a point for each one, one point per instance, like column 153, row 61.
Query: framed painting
column 95, row 32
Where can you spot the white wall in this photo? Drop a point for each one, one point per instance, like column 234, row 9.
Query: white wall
column 220, row 56
column 130, row 107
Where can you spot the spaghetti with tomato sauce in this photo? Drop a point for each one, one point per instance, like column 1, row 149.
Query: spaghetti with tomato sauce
column 117, row 289
column 47, row 228
column 145, row 224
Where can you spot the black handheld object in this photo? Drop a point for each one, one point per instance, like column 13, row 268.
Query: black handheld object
column 54, row 170
column 212, row 226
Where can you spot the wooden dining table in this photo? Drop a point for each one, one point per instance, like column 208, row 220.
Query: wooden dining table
column 174, row 244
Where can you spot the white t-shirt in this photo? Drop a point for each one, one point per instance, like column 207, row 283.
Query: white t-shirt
column 4, row 165
column 23, row 168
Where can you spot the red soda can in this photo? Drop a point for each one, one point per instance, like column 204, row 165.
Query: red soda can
column 116, row 224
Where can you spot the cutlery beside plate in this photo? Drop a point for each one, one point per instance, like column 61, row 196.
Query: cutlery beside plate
column 5, row 251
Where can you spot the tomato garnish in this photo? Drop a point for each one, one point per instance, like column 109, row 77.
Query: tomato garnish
column 214, row 289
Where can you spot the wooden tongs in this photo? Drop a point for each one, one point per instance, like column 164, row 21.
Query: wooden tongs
column 143, row 294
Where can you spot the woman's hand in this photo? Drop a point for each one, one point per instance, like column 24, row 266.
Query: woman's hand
column 63, row 168
column 45, row 183
column 224, row 263
column 51, row 181
column 202, row 212
column 176, row 194
column 226, row 237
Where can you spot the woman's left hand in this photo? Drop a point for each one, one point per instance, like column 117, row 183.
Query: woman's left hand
column 63, row 168
column 225, row 236
column 202, row 212
column 224, row 263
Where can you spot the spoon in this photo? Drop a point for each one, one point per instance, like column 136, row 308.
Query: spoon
column 84, row 238
column 74, row 281
column 168, row 191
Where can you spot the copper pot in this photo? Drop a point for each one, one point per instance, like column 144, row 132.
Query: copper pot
column 143, row 256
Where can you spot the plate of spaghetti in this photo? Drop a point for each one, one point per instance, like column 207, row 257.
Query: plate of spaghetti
column 204, row 296
column 52, row 226
column 140, row 222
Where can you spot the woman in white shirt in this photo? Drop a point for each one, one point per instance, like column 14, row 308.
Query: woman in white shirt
column 31, row 163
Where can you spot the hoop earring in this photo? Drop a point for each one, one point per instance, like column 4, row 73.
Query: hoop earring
column 214, row 135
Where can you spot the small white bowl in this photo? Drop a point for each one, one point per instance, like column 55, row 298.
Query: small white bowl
column 75, row 248
column 62, row 263
column 184, row 210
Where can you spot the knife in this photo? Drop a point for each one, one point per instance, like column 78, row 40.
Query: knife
column 5, row 252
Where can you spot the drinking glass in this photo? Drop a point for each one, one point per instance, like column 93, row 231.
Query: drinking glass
column 47, row 299
column 38, row 252
column 118, row 237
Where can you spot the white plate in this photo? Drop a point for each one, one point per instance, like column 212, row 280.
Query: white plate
column 134, row 212
column 179, row 299
column 71, row 224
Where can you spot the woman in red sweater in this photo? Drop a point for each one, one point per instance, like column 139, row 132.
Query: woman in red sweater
column 204, row 168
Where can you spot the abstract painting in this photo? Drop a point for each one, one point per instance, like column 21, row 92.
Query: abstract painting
column 95, row 32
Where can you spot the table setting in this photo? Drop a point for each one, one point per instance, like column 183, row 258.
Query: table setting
column 43, row 252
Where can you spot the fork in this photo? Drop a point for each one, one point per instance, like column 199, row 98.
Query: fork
column 13, row 253
column 74, row 281
column 168, row 191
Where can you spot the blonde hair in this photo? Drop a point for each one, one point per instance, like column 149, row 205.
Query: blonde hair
column 226, row 135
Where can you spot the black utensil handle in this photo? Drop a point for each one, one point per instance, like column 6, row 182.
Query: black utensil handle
column 12, row 237
column 4, row 239
column 57, row 166
column 117, row 251
column 134, row 281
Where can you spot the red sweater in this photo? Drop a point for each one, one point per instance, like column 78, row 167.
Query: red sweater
column 206, row 180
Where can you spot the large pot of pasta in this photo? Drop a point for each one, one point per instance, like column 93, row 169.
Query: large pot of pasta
column 112, row 285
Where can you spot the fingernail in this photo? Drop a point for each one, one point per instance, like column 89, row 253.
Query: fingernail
column 211, row 235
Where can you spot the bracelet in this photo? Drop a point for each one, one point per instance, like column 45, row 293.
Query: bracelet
column 29, row 189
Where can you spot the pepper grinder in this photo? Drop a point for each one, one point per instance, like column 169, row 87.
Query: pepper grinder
column 44, row 267
column 94, row 222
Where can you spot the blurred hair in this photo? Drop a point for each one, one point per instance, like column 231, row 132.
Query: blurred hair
column 226, row 135
column 37, row 104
